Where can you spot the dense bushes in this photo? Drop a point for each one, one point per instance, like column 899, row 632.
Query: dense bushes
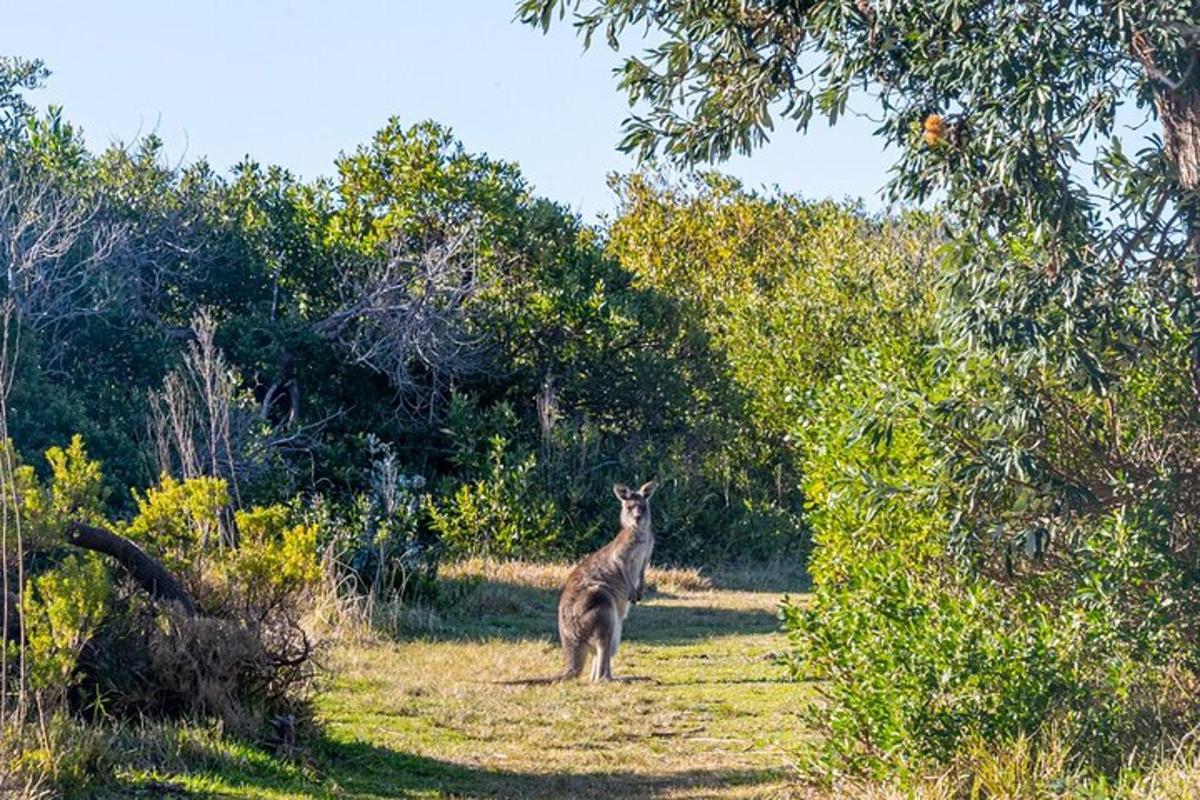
column 97, row 642
column 998, row 557
column 955, row 607
column 766, row 295
column 262, row 331
column 925, row 643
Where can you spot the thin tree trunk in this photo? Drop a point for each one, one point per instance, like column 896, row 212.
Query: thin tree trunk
column 1179, row 111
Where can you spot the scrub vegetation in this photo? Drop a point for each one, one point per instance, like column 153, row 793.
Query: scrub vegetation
column 291, row 472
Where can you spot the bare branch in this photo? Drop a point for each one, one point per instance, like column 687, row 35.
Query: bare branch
column 408, row 316
column 55, row 251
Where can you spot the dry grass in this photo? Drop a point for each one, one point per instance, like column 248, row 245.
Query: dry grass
column 551, row 575
column 711, row 713
column 776, row 577
column 1022, row 771
column 1176, row 779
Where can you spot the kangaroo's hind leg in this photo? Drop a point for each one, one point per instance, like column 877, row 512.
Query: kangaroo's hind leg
column 608, row 639
column 602, row 662
column 618, row 624
column 574, row 654
column 597, row 659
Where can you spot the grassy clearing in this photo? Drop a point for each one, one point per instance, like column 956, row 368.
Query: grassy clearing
column 711, row 713
column 419, row 714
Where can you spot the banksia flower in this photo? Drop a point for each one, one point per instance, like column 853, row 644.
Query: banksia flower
column 935, row 129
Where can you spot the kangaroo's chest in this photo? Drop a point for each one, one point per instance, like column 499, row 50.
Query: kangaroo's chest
column 636, row 561
column 642, row 553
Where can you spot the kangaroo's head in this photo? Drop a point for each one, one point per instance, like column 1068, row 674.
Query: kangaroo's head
column 635, row 506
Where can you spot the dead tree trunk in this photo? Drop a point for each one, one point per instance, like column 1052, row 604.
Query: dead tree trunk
column 152, row 576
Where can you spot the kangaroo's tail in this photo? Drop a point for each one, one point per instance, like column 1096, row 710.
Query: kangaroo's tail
column 573, row 655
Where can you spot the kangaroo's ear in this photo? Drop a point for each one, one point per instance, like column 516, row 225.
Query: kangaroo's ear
column 648, row 488
column 621, row 491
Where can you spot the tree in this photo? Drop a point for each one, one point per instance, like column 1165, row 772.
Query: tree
column 763, row 297
column 17, row 75
column 55, row 250
column 408, row 317
column 999, row 105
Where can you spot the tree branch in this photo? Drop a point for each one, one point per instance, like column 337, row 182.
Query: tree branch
column 152, row 576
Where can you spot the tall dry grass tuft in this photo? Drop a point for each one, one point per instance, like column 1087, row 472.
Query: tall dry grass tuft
column 1022, row 768
column 65, row 758
column 552, row 575
column 17, row 780
column 1177, row 778
column 341, row 611
column 1038, row 769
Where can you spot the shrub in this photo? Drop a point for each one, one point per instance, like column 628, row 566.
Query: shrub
column 64, row 758
column 73, row 490
column 76, row 488
column 500, row 514
column 240, row 671
column 64, row 606
column 275, row 563
column 376, row 538
column 922, row 641
column 103, row 646
column 180, row 519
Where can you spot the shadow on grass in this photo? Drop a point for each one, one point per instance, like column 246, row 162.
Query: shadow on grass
column 483, row 608
column 361, row 770
column 783, row 578
column 781, row 680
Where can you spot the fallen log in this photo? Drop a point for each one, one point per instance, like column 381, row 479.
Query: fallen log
column 152, row 576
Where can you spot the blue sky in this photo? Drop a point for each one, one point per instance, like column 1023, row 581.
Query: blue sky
column 295, row 83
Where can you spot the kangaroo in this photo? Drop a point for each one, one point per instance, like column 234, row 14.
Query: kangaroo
column 599, row 592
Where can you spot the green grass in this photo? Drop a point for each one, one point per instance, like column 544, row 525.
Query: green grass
column 710, row 714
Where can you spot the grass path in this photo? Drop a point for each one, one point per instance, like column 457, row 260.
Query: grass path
column 712, row 713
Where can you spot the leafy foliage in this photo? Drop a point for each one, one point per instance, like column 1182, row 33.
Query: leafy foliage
column 768, row 294
column 276, row 560
column 63, row 610
column 377, row 540
column 1030, row 455
column 497, row 515
column 179, row 520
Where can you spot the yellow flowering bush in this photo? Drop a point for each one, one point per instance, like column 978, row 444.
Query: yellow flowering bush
column 276, row 557
column 63, row 608
column 178, row 520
